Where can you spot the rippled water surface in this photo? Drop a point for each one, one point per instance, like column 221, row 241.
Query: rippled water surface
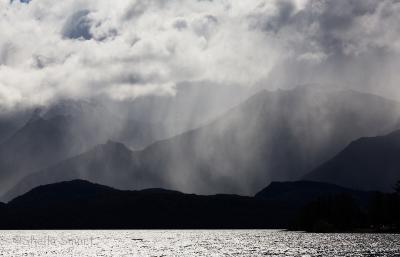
column 194, row 243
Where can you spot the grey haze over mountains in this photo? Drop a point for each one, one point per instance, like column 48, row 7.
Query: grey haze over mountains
column 45, row 139
column 272, row 136
column 35, row 139
column 169, row 79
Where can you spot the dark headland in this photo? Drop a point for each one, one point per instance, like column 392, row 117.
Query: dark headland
column 303, row 205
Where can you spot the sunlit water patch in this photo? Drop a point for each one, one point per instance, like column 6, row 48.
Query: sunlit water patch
column 194, row 243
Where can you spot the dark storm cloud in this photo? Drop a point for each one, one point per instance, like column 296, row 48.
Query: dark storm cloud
column 336, row 18
column 78, row 26
column 327, row 23
column 285, row 10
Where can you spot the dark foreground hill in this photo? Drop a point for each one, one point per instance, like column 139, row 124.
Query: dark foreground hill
column 300, row 193
column 366, row 164
column 82, row 205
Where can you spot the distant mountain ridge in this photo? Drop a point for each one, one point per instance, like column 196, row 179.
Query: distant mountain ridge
column 370, row 163
column 94, row 121
column 110, row 163
column 59, row 132
column 37, row 144
column 272, row 136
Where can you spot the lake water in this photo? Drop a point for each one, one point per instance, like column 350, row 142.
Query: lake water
column 194, row 243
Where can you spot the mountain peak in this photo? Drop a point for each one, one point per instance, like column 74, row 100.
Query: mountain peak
column 156, row 191
column 111, row 149
column 56, row 192
column 110, row 144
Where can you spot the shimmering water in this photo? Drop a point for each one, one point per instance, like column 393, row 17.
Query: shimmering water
column 194, row 243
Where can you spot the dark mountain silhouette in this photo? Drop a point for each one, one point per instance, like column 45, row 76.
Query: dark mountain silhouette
column 299, row 193
column 61, row 193
column 79, row 204
column 273, row 136
column 370, row 163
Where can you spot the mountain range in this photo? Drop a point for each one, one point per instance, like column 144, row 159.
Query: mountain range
column 272, row 136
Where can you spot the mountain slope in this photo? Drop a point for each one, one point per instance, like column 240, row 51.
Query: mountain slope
column 368, row 163
column 273, row 136
column 37, row 144
column 98, row 122
column 112, row 164
column 49, row 136
column 63, row 130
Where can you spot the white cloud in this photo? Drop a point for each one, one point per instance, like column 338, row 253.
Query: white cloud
column 124, row 49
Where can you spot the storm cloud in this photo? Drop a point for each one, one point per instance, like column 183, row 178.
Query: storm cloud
column 127, row 49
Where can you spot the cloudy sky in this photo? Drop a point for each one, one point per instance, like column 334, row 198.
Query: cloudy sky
column 126, row 49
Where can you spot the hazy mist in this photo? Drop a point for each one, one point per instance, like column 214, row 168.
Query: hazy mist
column 204, row 88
